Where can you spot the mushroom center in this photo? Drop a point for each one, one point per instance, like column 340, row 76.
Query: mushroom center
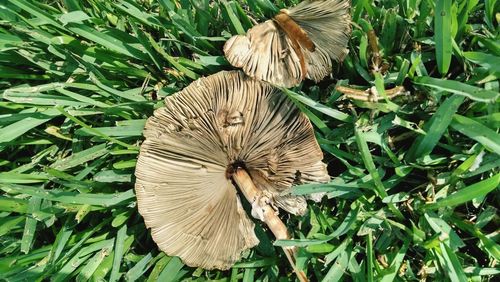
column 232, row 167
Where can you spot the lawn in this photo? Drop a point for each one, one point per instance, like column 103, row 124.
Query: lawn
column 415, row 176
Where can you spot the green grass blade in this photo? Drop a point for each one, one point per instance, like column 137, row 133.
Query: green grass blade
column 451, row 264
column 171, row 270
column 369, row 257
column 136, row 272
column 30, row 225
column 489, row 61
column 119, row 248
column 441, row 227
column 8, row 224
column 267, row 6
column 339, row 250
column 443, row 34
column 477, row 131
column 107, row 40
column 112, row 131
column 82, row 98
column 20, row 178
column 492, row 45
column 81, row 157
column 490, row 12
column 317, row 106
column 173, row 61
column 456, row 87
column 74, row 17
column 60, row 242
column 81, row 257
column 435, row 128
column 14, row 130
column 41, row 99
column 105, row 200
column 468, row 193
column 143, row 16
column 337, row 270
column 13, row 205
column 144, row 40
column 232, row 18
column 395, row 265
column 93, row 263
column 370, row 166
column 307, row 189
column 35, row 11
column 158, row 268
column 97, row 132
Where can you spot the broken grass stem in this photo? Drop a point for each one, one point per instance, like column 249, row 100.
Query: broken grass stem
column 269, row 216
column 370, row 94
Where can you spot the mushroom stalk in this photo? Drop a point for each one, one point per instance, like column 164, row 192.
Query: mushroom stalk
column 269, row 216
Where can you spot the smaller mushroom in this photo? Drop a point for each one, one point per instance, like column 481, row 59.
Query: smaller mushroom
column 297, row 43
column 222, row 134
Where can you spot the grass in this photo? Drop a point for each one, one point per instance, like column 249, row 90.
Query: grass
column 414, row 193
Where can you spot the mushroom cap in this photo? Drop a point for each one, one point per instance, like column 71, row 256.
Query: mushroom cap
column 328, row 24
column 183, row 187
column 267, row 53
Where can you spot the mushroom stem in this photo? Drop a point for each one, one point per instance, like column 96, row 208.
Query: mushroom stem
column 269, row 216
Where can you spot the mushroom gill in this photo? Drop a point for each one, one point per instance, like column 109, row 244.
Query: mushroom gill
column 218, row 127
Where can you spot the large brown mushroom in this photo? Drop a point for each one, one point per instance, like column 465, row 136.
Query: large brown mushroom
column 222, row 133
column 297, row 43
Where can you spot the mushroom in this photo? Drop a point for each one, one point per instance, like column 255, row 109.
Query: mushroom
column 297, row 43
column 223, row 133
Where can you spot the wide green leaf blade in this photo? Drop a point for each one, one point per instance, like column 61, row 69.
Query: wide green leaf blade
column 443, row 34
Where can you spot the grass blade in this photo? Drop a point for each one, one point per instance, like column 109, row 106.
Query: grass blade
column 396, row 263
column 450, row 263
column 489, row 61
column 35, row 11
column 232, row 18
column 96, row 132
column 60, row 242
column 79, row 258
column 136, row 272
column 338, row 268
column 317, row 106
column 105, row 200
column 468, row 193
column 117, row 260
column 441, row 227
column 171, row 270
column 88, row 270
column 370, row 166
column 456, row 87
column 443, row 35
column 477, row 131
column 81, row 157
column 108, row 41
column 435, row 128
column 14, row 130
column 369, row 257
column 30, row 225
